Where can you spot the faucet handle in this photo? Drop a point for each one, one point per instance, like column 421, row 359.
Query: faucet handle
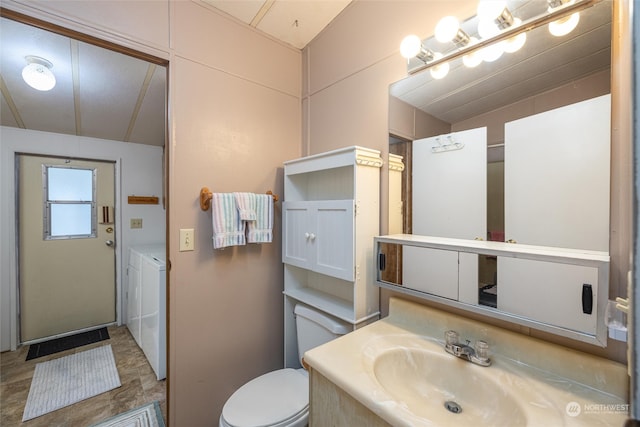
column 451, row 337
column 482, row 350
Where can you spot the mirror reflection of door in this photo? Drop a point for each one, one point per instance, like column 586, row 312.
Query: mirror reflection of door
column 66, row 246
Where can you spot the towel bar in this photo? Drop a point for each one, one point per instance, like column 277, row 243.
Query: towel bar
column 206, row 195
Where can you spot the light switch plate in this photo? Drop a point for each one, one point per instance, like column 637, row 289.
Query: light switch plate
column 187, row 239
column 136, row 222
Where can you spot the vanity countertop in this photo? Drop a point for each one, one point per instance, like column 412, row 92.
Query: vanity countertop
column 530, row 382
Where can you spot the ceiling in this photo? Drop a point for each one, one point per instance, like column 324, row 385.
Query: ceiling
column 544, row 63
column 104, row 94
column 295, row 22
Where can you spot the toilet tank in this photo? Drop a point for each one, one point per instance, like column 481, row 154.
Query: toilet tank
column 315, row 328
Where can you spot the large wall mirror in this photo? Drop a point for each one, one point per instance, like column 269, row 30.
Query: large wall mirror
column 553, row 92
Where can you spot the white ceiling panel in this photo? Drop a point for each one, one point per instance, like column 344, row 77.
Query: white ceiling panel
column 295, row 22
column 244, row 10
column 298, row 22
column 99, row 93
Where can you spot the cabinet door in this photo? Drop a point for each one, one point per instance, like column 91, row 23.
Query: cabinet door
column 319, row 236
column 296, row 233
column 549, row 292
column 434, row 271
column 332, row 238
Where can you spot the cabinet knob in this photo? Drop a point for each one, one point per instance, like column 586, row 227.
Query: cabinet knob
column 312, row 237
column 306, row 236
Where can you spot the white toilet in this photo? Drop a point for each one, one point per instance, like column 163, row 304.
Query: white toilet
column 281, row 398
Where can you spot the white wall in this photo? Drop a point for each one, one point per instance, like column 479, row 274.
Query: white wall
column 139, row 172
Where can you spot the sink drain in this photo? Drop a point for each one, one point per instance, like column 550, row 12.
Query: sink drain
column 452, row 407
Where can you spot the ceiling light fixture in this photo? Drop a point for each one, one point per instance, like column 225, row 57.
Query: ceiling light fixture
column 412, row 47
column 37, row 73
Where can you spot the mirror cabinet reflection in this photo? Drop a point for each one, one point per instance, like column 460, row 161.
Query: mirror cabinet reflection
column 511, row 154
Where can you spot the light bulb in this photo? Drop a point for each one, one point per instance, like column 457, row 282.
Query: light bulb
column 439, row 71
column 37, row 73
column 564, row 26
column 410, row 46
column 447, row 29
column 487, row 29
column 489, row 10
column 474, row 58
column 515, row 43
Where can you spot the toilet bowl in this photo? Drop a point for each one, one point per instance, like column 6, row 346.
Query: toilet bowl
column 281, row 398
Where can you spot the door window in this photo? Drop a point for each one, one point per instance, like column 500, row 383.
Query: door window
column 70, row 202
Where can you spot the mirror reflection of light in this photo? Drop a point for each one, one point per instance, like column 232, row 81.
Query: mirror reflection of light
column 565, row 25
column 439, row 71
column 474, row 58
column 492, row 52
column 515, row 43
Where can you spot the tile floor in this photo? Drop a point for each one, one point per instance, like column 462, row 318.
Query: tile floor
column 139, row 386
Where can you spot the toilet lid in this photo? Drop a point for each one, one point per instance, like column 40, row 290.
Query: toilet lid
column 268, row 399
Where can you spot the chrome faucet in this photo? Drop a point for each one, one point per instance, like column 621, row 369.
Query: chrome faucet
column 478, row 354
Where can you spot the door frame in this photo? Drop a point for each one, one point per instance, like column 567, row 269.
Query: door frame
column 46, row 19
column 119, row 301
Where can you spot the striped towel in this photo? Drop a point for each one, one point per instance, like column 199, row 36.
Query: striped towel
column 228, row 229
column 260, row 230
column 246, row 203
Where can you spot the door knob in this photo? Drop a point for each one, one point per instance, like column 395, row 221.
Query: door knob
column 109, row 243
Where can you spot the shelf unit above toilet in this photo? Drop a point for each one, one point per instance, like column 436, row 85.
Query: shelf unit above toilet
column 330, row 215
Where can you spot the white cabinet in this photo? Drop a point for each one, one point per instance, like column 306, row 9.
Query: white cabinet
column 557, row 290
column 330, row 216
column 146, row 305
column 319, row 236
column 133, row 295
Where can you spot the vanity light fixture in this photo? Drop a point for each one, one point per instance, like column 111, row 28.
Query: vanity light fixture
column 448, row 30
column 37, row 73
column 562, row 26
column 493, row 16
column 411, row 47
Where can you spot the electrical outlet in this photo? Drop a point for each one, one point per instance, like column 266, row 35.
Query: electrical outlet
column 187, row 239
column 136, row 222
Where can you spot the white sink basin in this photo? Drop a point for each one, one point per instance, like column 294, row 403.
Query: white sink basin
column 398, row 369
column 446, row 389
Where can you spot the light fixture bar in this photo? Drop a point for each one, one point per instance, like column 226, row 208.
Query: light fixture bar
column 513, row 31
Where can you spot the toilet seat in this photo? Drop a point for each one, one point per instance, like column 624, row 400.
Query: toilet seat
column 278, row 398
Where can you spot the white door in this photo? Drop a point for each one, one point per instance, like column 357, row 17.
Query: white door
column 67, row 234
column 557, row 168
column 450, row 185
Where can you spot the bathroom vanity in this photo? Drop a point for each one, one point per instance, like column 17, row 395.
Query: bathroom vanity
column 396, row 372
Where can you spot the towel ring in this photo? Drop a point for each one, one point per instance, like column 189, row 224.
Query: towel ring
column 206, row 195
